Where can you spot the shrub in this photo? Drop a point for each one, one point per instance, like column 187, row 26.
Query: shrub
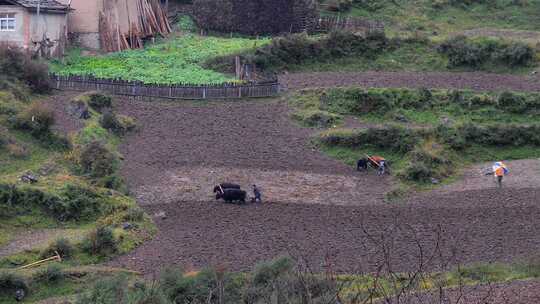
column 298, row 48
column 97, row 160
column 316, row 118
column 62, row 245
column 511, row 102
column 16, row 151
column 99, row 101
column 5, row 139
column 389, row 137
column 10, row 282
column 106, row 291
column 100, row 241
column 37, row 119
column 462, row 51
column 118, row 124
column 73, row 203
column 77, row 203
column 417, row 171
column 50, row 275
column 134, row 214
column 16, row 63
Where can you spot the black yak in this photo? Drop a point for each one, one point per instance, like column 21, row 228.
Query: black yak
column 231, row 195
column 362, row 164
column 225, row 186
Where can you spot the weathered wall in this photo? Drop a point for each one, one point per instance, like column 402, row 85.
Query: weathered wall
column 20, row 36
column 84, row 20
column 48, row 25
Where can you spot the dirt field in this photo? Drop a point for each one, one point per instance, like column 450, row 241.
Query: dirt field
column 316, row 206
column 518, row 292
column 472, row 81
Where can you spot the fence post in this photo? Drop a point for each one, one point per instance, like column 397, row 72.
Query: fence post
column 204, row 93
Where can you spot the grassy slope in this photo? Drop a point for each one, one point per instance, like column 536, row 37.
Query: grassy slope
column 420, row 18
column 40, row 156
column 176, row 60
column 422, row 15
column 309, row 101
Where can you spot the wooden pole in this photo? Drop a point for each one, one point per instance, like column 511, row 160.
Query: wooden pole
column 54, row 258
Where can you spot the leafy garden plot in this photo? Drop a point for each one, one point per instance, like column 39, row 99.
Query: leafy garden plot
column 175, row 61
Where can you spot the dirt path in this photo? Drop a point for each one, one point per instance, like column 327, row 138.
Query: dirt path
column 473, row 81
column 30, row 239
column 523, row 174
column 516, row 292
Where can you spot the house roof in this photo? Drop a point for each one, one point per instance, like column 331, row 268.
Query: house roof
column 44, row 5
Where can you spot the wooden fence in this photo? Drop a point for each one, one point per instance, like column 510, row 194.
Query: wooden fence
column 329, row 23
column 119, row 87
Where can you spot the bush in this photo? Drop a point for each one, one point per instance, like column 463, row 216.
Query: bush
column 5, row 139
column 16, row 64
column 100, row 241
column 134, row 214
column 118, row 124
column 10, row 282
column 62, row 245
column 462, row 51
column 50, row 275
column 16, row 151
column 418, row 172
column 73, row 203
column 298, row 48
column 99, row 101
column 388, row 137
column 511, row 102
column 97, row 160
column 316, row 118
column 106, row 291
column 37, row 119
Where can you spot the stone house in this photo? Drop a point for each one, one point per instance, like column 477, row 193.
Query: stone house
column 37, row 25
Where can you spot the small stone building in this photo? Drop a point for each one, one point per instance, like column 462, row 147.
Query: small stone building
column 37, row 25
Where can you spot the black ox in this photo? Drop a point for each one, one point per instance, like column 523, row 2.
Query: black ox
column 231, row 195
column 223, row 186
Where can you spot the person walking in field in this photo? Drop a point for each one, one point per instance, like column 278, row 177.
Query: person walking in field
column 257, row 194
column 499, row 171
column 382, row 167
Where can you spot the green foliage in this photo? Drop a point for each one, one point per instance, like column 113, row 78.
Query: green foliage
column 174, row 61
column 99, row 101
column 299, row 48
column 118, row 124
column 97, row 160
column 462, row 51
column 17, row 65
column 10, row 282
column 316, row 118
column 394, row 138
column 62, row 245
column 53, row 274
column 100, row 241
column 74, row 203
column 37, row 119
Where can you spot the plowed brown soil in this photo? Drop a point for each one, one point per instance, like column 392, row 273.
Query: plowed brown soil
column 439, row 80
column 183, row 148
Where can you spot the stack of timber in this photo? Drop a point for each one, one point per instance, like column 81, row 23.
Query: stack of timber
column 151, row 21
